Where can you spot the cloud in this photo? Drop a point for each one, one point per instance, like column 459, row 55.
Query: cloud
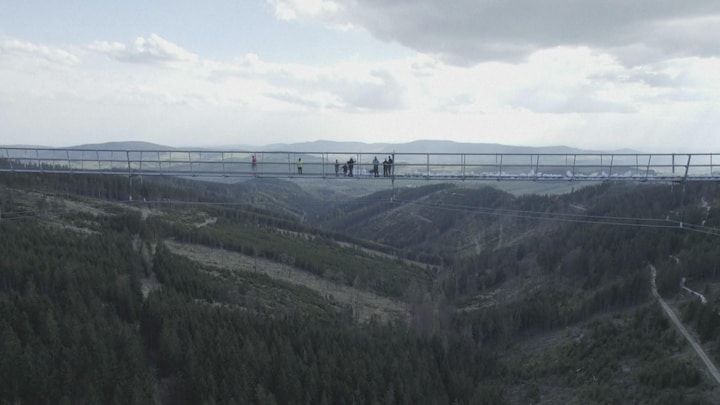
column 458, row 103
column 290, row 98
column 378, row 90
column 381, row 92
column 466, row 32
column 294, row 9
column 642, row 76
column 11, row 48
column 152, row 50
column 543, row 100
column 353, row 87
column 578, row 96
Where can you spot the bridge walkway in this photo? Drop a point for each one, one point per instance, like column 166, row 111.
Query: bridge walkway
column 663, row 167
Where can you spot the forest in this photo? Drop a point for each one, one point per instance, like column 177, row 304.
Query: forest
column 98, row 304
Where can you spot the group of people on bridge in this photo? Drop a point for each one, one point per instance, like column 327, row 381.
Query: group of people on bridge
column 347, row 168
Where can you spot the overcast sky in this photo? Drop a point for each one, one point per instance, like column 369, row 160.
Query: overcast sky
column 642, row 74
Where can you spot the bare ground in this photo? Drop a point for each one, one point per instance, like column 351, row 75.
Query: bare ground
column 365, row 303
column 206, row 222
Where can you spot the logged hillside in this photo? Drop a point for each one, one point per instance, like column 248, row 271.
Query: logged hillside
column 264, row 292
column 444, row 223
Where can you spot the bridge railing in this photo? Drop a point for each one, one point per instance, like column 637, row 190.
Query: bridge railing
column 430, row 166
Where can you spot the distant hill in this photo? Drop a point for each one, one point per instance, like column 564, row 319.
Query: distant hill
column 23, row 146
column 419, row 146
column 424, row 146
column 330, row 146
column 123, row 145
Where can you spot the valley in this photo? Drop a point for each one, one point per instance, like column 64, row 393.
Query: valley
column 264, row 292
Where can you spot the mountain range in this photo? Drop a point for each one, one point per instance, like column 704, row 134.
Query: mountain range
column 419, row 146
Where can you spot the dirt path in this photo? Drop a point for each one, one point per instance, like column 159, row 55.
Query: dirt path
column 365, row 303
column 698, row 349
column 206, row 222
column 691, row 291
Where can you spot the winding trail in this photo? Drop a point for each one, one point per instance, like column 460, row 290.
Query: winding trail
column 702, row 297
column 698, row 349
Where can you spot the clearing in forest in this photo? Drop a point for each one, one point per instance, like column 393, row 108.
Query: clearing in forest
column 364, row 303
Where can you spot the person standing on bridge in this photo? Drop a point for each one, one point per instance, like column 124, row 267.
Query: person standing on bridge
column 299, row 166
column 254, row 164
column 375, row 167
column 350, row 164
column 337, row 168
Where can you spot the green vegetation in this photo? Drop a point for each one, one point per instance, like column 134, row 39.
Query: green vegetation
column 68, row 306
column 252, row 291
column 71, row 306
column 627, row 358
column 316, row 255
column 96, row 308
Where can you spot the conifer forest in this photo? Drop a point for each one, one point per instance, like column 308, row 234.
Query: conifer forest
column 180, row 291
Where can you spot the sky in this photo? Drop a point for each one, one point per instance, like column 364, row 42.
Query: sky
column 600, row 75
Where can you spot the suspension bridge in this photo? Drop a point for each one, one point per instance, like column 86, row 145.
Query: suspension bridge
column 636, row 167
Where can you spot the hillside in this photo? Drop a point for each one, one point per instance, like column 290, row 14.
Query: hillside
column 268, row 292
column 421, row 146
column 124, row 145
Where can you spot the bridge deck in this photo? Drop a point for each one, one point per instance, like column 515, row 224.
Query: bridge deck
column 406, row 166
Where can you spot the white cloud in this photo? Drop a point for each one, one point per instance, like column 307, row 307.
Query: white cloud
column 299, row 9
column 13, row 49
column 154, row 49
column 466, row 32
column 577, row 96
